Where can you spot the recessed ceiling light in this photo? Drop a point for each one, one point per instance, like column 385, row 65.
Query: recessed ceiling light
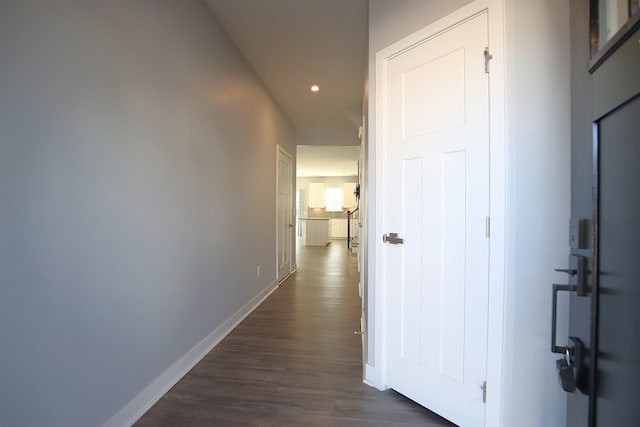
column 315, row 88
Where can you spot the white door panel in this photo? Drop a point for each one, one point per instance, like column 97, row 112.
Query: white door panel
column 285, row 213
column 436, row 142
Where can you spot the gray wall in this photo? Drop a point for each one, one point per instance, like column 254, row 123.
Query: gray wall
column 345, row 133
column 137, row 194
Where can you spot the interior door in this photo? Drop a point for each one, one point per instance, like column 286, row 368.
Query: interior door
column 436, row 143
column 285, row 214
column 605, row 173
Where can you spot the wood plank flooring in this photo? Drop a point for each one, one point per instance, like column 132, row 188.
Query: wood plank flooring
column 294, row 361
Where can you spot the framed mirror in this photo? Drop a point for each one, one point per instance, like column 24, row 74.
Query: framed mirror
column 611, row 22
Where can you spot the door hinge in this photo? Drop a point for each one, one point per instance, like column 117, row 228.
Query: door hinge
column 487, row 226
column 484, row 392
column 487, row 57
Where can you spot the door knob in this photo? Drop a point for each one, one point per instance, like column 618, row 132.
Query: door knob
column 392, row 239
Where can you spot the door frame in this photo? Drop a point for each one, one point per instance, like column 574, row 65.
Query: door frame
column 497, row 198
column 281, row 150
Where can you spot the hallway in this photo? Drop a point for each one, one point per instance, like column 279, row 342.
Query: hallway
column 293, row 361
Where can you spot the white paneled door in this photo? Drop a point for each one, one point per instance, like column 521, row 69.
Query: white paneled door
column 436, row 148
column 285, row 213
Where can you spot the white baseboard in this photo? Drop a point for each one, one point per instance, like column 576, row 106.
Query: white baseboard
column 136, row 408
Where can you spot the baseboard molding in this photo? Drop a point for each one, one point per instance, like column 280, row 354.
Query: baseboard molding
column 135, row 409
column 369, row 375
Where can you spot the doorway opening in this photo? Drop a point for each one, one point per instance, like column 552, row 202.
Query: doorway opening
column 326, row 196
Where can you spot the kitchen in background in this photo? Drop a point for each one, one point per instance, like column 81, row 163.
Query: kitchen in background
column 323, row 202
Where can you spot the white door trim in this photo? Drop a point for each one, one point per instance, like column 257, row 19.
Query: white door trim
column 279, row 150
column 497, row 209
column 497, row 190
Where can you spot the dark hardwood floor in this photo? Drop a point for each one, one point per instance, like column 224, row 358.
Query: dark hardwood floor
column 294, row 361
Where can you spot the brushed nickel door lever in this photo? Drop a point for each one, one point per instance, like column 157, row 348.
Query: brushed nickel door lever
column 392, row 239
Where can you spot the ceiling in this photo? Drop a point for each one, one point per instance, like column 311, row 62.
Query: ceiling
column 293, row 44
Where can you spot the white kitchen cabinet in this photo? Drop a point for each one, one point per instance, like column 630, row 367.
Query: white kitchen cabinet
column 316, row 195
column 317, row 231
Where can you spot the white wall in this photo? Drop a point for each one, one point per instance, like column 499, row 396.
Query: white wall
column 538, row 204
column 137, row 194
column 536, row 58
